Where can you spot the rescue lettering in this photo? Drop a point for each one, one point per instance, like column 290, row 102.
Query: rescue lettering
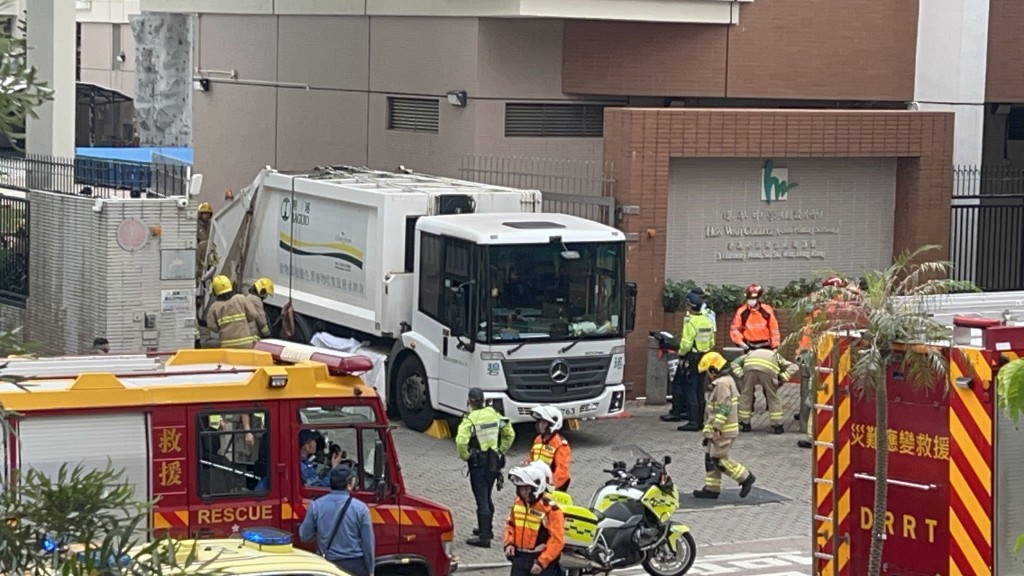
column 239, row 514
column 905, row 442
column 910, row 526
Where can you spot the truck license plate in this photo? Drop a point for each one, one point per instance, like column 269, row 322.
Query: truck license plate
column 571, row 411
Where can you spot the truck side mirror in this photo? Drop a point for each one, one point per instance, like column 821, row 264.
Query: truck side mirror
column 630, row 305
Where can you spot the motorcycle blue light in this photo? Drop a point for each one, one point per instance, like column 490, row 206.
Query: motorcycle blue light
column 50, row 545
column 267, row 536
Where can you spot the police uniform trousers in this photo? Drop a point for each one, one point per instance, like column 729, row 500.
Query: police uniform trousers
column 522, row 562
column 693, row 388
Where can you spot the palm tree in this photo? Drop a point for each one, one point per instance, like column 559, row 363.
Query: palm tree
column 887, row 321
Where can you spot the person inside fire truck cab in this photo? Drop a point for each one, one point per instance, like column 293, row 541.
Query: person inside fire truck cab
column 755, row 324
column 309, row 475
column 258, row 292
column 231, row 316
column 341, row 525
column 721, row 427
column 550, row 447
column 535, row 529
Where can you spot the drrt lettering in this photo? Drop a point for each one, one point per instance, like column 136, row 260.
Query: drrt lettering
column 908, row 524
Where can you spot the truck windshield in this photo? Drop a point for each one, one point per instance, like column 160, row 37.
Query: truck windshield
column 536, row 293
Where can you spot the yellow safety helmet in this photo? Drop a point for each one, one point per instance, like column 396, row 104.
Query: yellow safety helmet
column 205, row 208
column 221, row 285
column 264, row 287
column 711, row 359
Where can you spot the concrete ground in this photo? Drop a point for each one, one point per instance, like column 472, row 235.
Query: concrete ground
column 773, row 522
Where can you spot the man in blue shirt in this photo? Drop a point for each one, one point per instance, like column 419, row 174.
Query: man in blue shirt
column 349, row 543
column 307, row 447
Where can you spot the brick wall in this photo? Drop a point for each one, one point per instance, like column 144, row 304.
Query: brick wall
column 85, row 285
column 1004, row 77
column 799, row 49
column 641, row 143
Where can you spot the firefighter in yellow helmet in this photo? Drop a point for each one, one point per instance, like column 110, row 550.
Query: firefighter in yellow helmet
column 258, row 292
column 721, row 427
column 231, row 315
column 203, row 220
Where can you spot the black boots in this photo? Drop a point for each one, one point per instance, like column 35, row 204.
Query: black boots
column 778, row 429
column 703, row 493
column 482, row 536
column 747, row 485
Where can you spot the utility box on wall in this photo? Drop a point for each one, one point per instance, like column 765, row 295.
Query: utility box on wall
column 117, row 268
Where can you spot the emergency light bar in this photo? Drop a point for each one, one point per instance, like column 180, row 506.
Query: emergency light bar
column 338, row 363
column 267, row 539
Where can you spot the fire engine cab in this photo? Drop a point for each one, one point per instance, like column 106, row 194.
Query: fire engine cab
column 212, row 436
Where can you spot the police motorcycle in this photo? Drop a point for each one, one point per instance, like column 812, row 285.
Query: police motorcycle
column 628, row 523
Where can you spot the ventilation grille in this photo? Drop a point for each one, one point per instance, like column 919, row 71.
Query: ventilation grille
column 413, row 114
column 554, row 120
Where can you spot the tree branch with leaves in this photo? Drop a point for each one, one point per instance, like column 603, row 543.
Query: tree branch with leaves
column 886, row 322
column 21, row 91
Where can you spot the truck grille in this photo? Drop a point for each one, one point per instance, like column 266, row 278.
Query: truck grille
column 530, row 380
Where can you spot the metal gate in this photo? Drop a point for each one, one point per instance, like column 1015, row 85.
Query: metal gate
column 986, row 239
column 580, row 188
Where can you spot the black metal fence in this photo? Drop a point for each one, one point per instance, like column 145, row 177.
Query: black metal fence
column 987, row 227
column 14, row 242
column 92, row 176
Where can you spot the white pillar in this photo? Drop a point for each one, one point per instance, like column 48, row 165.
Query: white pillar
column 952, row 58
column 51, row 41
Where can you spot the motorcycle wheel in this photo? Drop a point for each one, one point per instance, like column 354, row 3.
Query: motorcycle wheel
column 663, row 562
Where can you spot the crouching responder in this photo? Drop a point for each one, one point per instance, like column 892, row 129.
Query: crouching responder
column 767, row 369
column 483, row 439
column 535, row 530
column 231, row 315
column 258, row 292
column 550, row 447
column 720, row 429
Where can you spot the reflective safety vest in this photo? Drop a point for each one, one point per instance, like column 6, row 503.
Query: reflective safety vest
column 556, row 453
column 755, row 326
column 536, row 528
column 698, row 334
column 484, row 429
column 260, row 326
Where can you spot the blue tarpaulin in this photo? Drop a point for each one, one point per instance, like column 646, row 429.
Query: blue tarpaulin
column 144, row 155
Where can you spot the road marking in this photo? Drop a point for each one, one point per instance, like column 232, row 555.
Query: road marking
column 785, row 563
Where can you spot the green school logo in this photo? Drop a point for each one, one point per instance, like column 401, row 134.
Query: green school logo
column 775, row 184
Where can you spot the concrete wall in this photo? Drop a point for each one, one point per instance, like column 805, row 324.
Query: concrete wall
column 11, row 317
column 352, row 64
column 84, row 284
column 163, row 78
column 721, row 231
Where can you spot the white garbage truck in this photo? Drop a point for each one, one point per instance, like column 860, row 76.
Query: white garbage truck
column 458, row 284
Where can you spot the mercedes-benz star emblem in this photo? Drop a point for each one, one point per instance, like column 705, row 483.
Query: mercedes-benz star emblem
column 559, row 372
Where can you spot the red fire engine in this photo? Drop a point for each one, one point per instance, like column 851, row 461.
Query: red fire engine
column 212, row 435
column 955, row 497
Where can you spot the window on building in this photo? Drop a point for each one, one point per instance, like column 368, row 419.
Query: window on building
column 234, row 453
column 116, row 57
column 1015, row 124
column 78, row 52
column 530, row 120
column 431, row 256
column 413, row 114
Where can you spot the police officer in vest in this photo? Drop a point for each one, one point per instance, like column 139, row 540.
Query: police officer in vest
column 697, row 339
column 483, row 438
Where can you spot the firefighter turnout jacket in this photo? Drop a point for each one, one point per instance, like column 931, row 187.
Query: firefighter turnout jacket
column 260, row 326
column 698, row 334
column 231, row 319
column 756, row 327
column 481, row 430
column 764, row 360
column 722, row 412
column 537, row 528
column 556, row 453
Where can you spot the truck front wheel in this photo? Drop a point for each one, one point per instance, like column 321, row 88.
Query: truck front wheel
column 413, row 394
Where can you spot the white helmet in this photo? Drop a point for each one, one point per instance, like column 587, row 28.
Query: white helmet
column 548, row 414
column 545, row 471
column 531, row 476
